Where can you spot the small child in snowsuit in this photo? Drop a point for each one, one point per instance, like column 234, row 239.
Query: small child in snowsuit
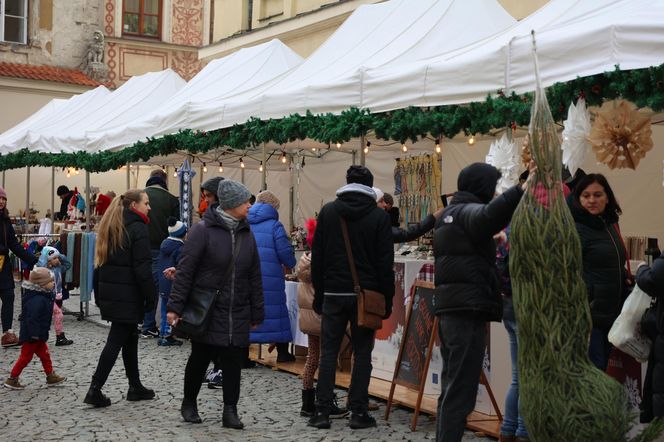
column 36, row 311
column 52, row 259
column 169, row 255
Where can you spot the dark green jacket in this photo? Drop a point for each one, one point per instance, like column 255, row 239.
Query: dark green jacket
column 162, row 205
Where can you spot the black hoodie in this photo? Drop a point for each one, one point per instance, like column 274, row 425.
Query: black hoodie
column 465, row 269
column 370, row 233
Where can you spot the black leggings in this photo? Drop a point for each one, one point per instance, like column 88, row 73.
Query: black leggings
column 7, row 315
column 230, row 360
column 122, row 336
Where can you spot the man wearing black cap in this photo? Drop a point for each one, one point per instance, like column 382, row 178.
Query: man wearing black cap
column 370, row 235
column 65, row 195
column 467, row 289
column 163, row 205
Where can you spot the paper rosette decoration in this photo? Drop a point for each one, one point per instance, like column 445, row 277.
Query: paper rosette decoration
column 575, row 136
column 621, row 135
column 504, row 156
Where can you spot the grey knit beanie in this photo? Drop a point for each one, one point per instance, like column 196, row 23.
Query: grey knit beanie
column 232, row 194
column 212, row 184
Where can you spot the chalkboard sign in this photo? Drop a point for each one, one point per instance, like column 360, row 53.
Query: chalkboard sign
column 418, row 330
column 416, row 344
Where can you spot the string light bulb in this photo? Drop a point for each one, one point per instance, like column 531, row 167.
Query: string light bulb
column 204, row 168
column 175, row 173
column 471, row 140
column 438, row 145
column 404, row 148
column 283, row 157
column 221, row 167
column 366, row 147
column 68, row 174
column 76, row 171
column 241, row 163
column 260, row 168
column 338, row 145
column 313, row 149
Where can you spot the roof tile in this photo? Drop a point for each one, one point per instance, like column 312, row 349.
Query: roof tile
column 46, row 73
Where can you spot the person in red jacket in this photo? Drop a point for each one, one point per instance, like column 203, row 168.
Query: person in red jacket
column 103, row 201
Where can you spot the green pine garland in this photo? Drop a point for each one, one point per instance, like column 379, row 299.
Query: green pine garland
column 644, row 87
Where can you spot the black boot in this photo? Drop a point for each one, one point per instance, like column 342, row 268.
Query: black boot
column 95, row 397
column 61, row 339
column 320, row 421
column 308, row 402
column 230, row 419
column 189, row 411
column 362, row 420
column 137, row 392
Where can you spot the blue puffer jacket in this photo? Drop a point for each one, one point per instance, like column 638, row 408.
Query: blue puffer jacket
column 36, row 312
column 169, row 255
column 274, row 250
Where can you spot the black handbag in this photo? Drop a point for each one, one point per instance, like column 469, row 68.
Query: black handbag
column 195, row 318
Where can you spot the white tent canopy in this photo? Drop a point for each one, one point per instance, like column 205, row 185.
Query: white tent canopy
column 223, row 78
column 130, row 101
column 55, row 109
column 331, row 79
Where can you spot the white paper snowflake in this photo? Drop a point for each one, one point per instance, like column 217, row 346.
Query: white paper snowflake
column 504, row 156
column 575, row 136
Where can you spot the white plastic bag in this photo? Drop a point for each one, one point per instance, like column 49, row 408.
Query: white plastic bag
column 626, row 330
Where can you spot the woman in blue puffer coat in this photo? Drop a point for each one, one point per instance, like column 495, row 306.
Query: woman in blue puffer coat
column 275, row 251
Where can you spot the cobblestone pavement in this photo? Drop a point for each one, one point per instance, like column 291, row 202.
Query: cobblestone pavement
column 269, row 404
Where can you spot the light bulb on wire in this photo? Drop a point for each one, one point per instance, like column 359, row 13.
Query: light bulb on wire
column 260, row 168
column 338, row 145
column 204, row 168
column 471, row 140
column 241, row 163
column 366, row 148
column 77, row 171
column 283, row 157
column 221, row 168
column 404, row 148
column 68, row 174
column 175, row 173
column 438, row 145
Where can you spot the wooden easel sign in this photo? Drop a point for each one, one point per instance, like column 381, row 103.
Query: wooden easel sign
column 417, row 343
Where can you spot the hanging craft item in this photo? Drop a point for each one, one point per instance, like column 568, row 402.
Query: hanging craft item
column 504, row 156
column 526, row 157
column 417, row 182
column 185, row 176
column 575, row 136
column 621, row 135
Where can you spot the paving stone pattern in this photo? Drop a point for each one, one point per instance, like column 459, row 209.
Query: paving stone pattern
column 269, row 404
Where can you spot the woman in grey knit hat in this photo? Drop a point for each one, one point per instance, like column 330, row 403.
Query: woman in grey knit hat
column 220, row 254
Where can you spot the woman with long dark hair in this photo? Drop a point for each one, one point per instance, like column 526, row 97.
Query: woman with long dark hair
column 220, row 254
column 124, row 290
column 596, row 212
column 9, row 242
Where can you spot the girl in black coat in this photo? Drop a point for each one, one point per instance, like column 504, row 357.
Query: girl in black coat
column 595, row 211
column 123, row 290
column 220, row 253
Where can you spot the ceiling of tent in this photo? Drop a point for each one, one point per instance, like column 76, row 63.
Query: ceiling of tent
column 574, row 38
column 247, row 69
column 330, row 80
column 17, row 137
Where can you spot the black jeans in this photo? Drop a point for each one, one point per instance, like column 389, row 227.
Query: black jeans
column 122, row 336
column 463, row 343
column 230, row 360
column 7, row 310
column 337, row 311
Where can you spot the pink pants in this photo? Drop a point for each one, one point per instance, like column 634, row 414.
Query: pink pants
column 57, row 319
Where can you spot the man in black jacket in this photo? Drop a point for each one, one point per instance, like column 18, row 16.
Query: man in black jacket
column 467, row 288
column 370, row 237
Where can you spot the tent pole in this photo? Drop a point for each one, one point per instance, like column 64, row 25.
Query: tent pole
column 291, row 197
column 354, row 157
column 128, row 176
column 27, row 196
column 88, row 224
column 52, row 192
column 3, row 178
column 363, row 157
column 264, row 172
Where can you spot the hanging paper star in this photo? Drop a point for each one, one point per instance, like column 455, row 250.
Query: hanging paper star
column 575, row 143
column 504, row 156
column 621, row 135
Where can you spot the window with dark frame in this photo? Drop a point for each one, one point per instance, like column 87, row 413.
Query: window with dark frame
column 14, row 21
column 141, row 18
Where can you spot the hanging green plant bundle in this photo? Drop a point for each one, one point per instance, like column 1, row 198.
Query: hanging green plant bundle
column 563, row 397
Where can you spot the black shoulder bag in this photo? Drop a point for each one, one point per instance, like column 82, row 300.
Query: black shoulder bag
column 195, row 318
